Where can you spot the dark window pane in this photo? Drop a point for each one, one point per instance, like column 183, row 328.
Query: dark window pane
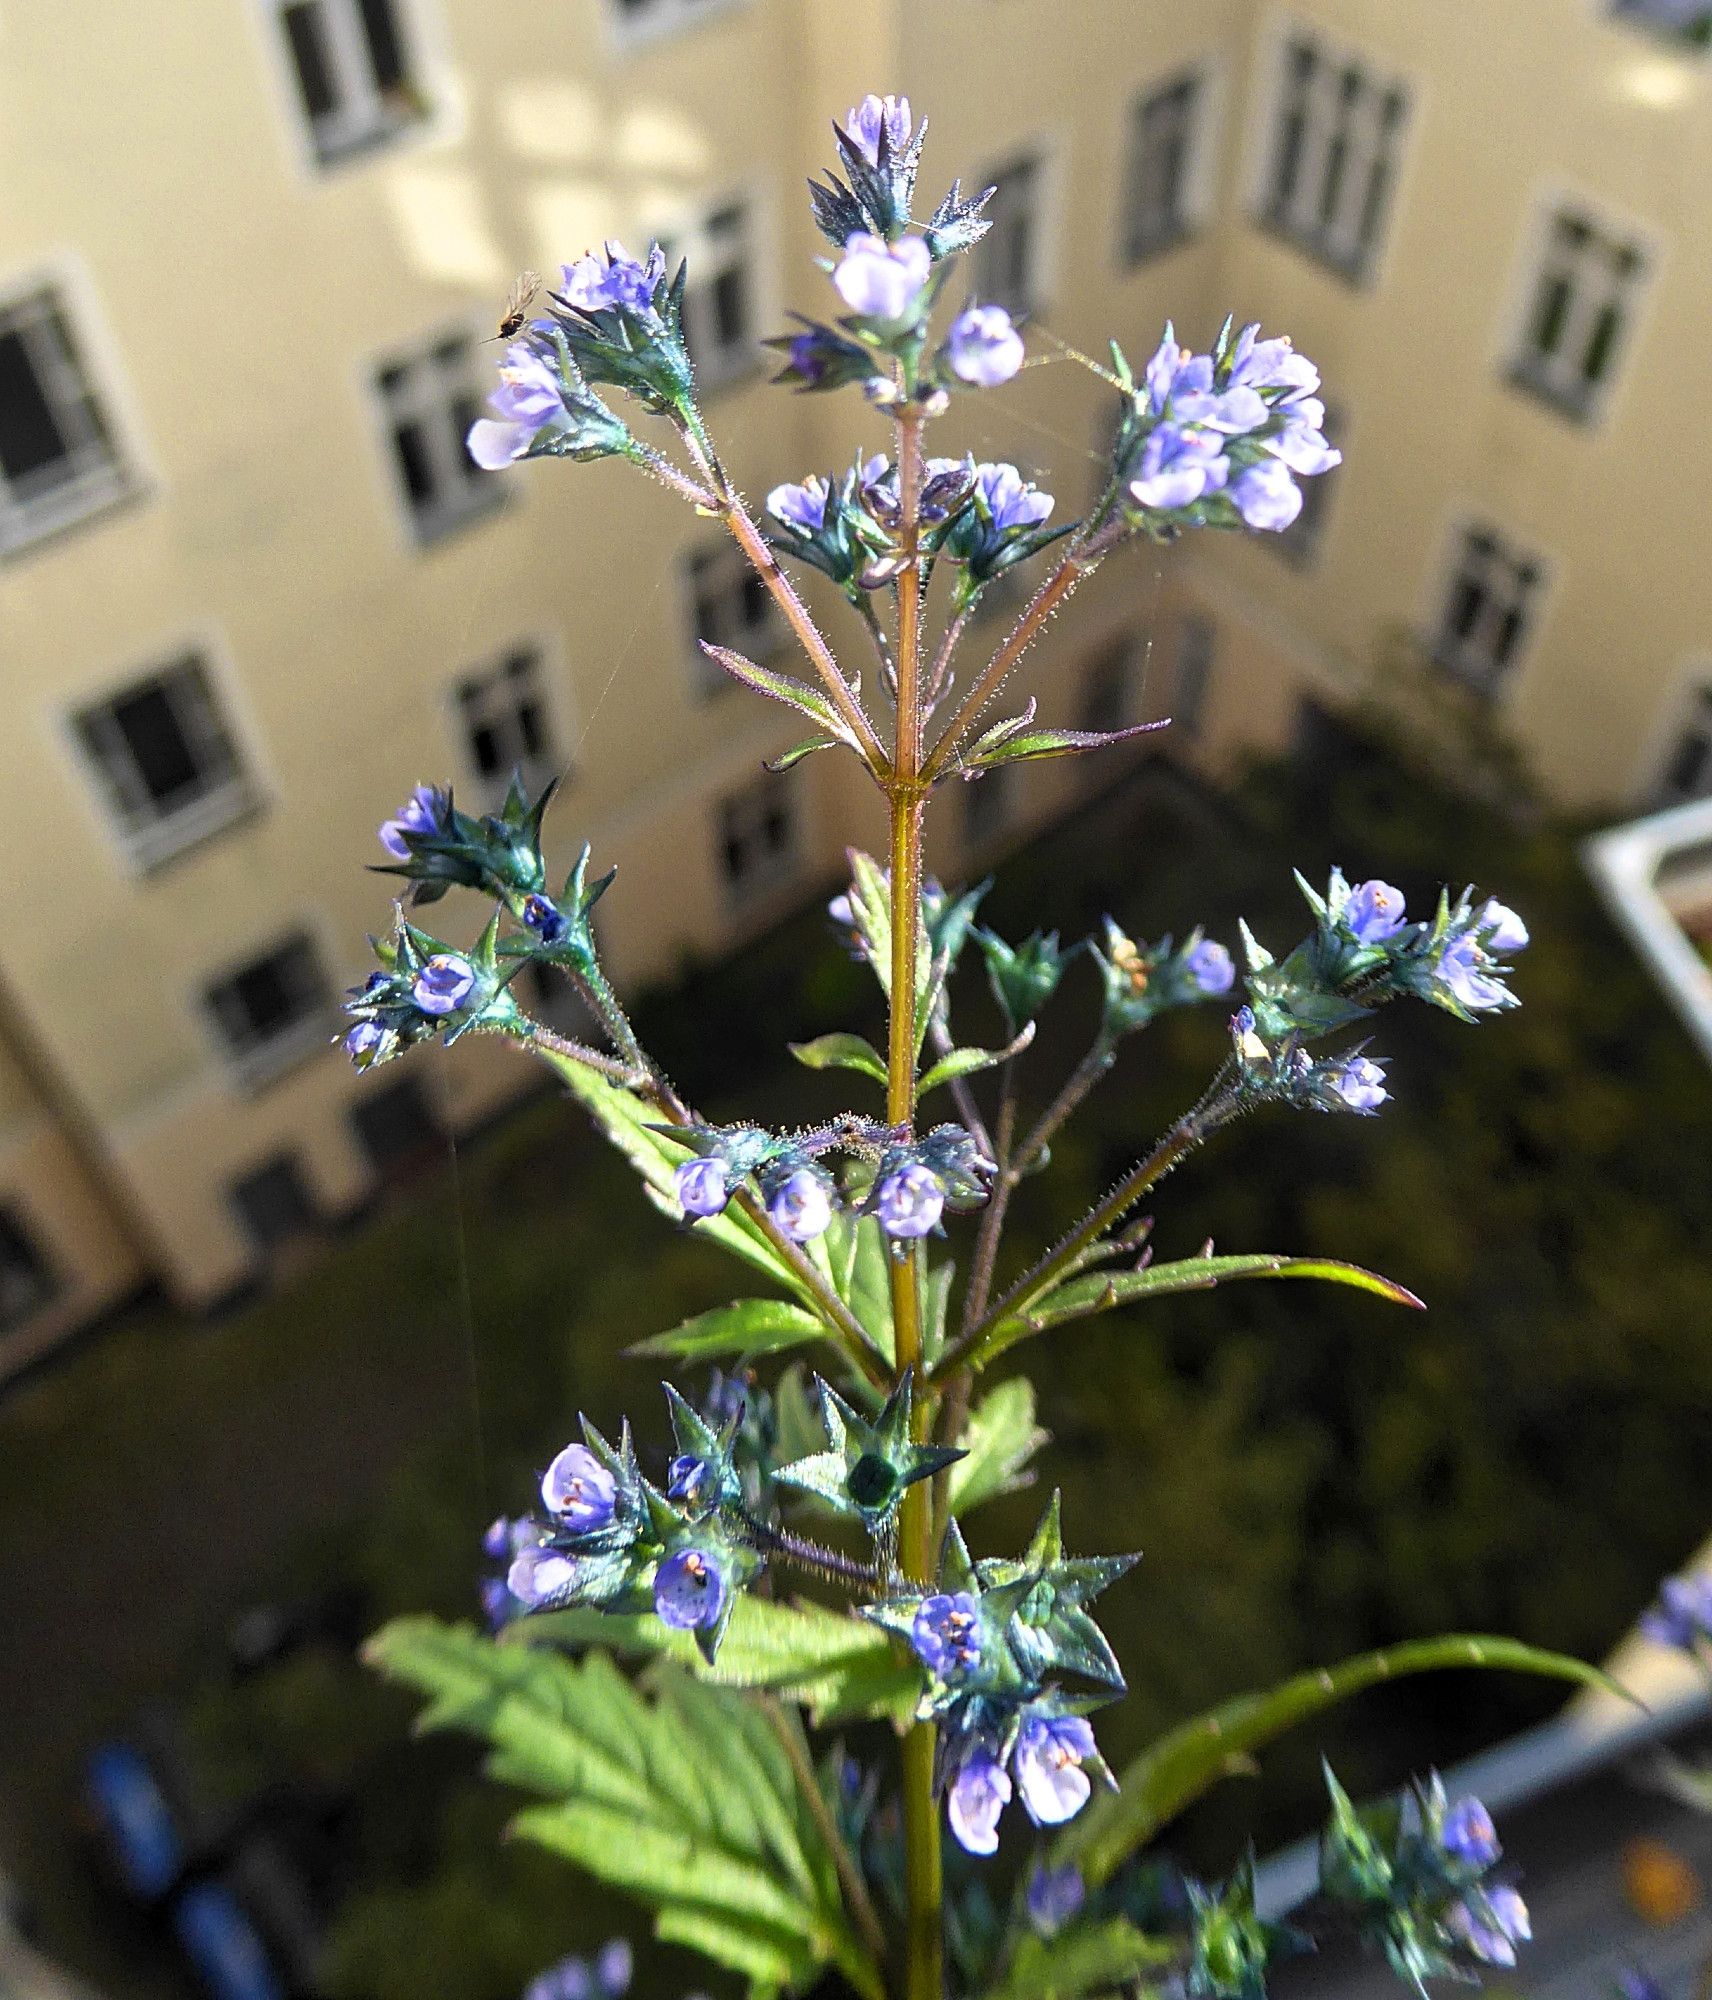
column 485, row 750
column 1601, row 342
column 386, row 48
column 1691, row 766
column 275, row 1204
column 1552, row 311
column 165, row 759
column 26, row 1282
column 730, row 307
column 30, row 436
column 531, row 729
column 415, row 463
column 1468, row 598
column 262, row 997
column 306, row 35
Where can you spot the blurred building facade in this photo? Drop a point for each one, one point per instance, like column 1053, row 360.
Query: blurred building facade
column 252, row 590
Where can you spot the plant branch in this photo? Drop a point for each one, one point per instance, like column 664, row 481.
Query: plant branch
column 1081, row 1080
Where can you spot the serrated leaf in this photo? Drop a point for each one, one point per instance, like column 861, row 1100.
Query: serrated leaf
column 747, row 1326
column 1090, row 1958
column 678, row 1800
column 1001, row 1438
column 841, row 1051
column 1192, row 1758
column 966, row 1062
column 1101, row 1291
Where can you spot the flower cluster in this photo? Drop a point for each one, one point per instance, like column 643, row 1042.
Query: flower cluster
column 994, row 1639
column 1220, row 439
column 543, row 408
column 1143, row 981
column 425, row 987
column 1682, row 1615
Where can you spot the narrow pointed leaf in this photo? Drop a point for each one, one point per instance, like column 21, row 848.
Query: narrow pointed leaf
column 1030, row 745
column 840, row 1051
column 966, row 1062
column 748, row 1326
column 795, row 694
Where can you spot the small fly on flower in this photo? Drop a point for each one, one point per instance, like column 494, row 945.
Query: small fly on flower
column 517, row 303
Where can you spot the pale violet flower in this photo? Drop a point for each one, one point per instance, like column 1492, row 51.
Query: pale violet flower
column 1266, row 496
column 1050, row 1753
column 1493, row 1933
column 1507, row 934
column 979, row 1794
column 803, row 506
column 1271, row 364
column 1209, row 968
column 882, row 280
column 444, row 983
column 527, row 400
column 1359, row 1083
column 1304, row 448
column 801, row 1204
column 1178, row 467
column 873, row 116
column 1466, row 970
column 910, row 1201
column 1008, row 499
column 619, row 282
column 536, row 1575
column 1374, row 912
column 579, row 1490
column 984, row 347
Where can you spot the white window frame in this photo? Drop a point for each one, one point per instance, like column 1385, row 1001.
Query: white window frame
column 1493, row 683
column 368, row 129
column 121, row 473
column 1690, row 701
column 1561, row 388
column 1344, row 245
column 149, row 844
column 481, row 494
column 685, row 236
column 549, row 688
column 783, row 871
column 661, row 20
column 254, row 1068
column 1197, row 188
column 1044, row 154
column 758, row 643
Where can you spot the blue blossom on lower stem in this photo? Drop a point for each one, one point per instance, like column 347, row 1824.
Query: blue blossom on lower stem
column 703, row 1186
column 873, row 115
column 619, row 283
column 444, row 983
column 1008, row 500
column 1267, row 496
column 579, row 1491
column 909, row 1201
column 979, row 1793
column 801, row 506
column 1491, row 1932
column 1358, row 1082
column 690, row 1589
column 1054, row 1896
column 1682, row 1615
column 881, row 280
column 946, row 1634
column 983, row 347
column 1209, row 967
column 420, row 814
column 1050, row 1753
column 608, row 1978
column 1271, row 364
column 801, row 1204
column 1373, row 912
column 1468, row 1834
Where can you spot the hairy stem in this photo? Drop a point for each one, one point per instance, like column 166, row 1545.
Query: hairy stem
column 856, row 1897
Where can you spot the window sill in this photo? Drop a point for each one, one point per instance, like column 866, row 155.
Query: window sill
column 76, row 505
column 1578, row 408
column 256, row 1069
column 1356, row 271
column 151, row 847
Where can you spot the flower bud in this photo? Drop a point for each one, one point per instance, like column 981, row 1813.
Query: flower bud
column 909, row 1201
column 703, row 1186
column 444, row 983
column 690, row 1589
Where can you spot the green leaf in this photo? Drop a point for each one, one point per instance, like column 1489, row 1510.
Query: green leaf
column 686, row 1801
column 840, row 1051
column 966, row 1062
column 1092, row 1958
column 1001, row 1438
column 795, row 694
column 835, row 1666
column 1100, row 1291
column 1029, row 745
column 747, row 1326
column 1193, row 1757
column 798, row 751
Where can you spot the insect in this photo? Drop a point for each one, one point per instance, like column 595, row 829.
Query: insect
column 517, row 303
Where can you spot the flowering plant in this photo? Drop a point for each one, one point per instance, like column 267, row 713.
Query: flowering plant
column 698, row 1789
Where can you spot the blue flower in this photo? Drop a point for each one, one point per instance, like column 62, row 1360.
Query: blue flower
column 979, row 1794
column 1493, row 1932
column 419, row 814
column 909, row 1201
column 874, row 115
column 1050, row 1753
column 1266, row 496
column 1358, row 1081
column 1468, row 1834
column 1373, row 912
column 1270, row 364
column 538, row 1575
column 685, row 1478
column 1302, row 444
column 1054, row 1896
column 1466, row 970
column 946, row 1634
column 444, row 983
column 575, row 1979
column 881, row 280
column 1682, row 1617
column 528, row 398
column 1008, row 499
column 619, row 284
column 703, row 1186
column 984, row 347
column 368, row 1042
column 690, row 1590
column 801, row 1204
column 1178, row 467
column 1208, row 967
column 1505, row 932
column 802, row 507
column 547, row 922
column 579, row 1491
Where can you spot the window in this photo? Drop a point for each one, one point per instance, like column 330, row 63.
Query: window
column 1583, row 300
column 58, row 460
column 165, row 760
column 729, row 606
column 1334, row 154
column 503, row 713
column 274, row 1010
column 431, row 399
column 275, row 1204
column 351, row 62
column 1689, row 21
column 1008, row 260
column 758, row 839
column 397, row 1128
column 26, row 1280
column 1687, row 770
column 1108, row 692
column 988, row 802
column 719, row 298
column 1299, row 544
column 1196, row 645
column 652, row 17
column 1487, row 609
column 1159, row 175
